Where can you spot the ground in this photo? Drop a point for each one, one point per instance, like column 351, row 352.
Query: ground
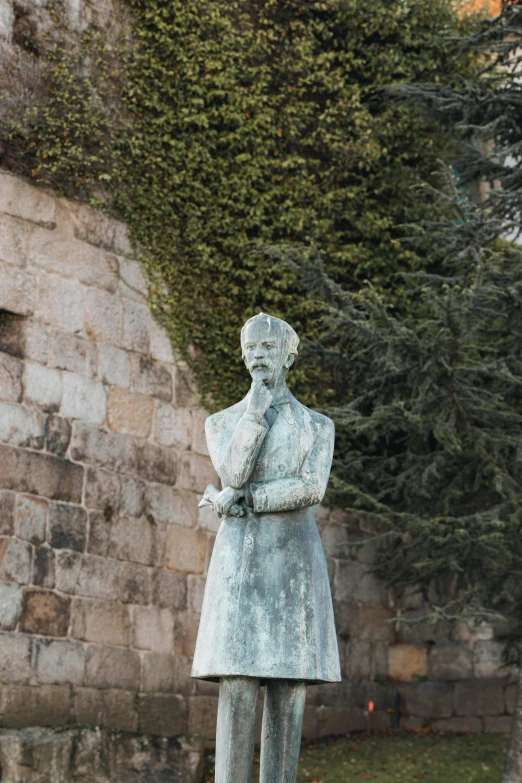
column 404, row 757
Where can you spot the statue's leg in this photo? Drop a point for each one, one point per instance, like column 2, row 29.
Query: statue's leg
column 236, row 729
column 281, row 733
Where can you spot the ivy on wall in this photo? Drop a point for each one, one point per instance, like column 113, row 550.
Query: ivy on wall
column 229, row 126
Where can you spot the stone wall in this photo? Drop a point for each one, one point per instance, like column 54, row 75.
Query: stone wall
column 103, row 553
column 102, row 457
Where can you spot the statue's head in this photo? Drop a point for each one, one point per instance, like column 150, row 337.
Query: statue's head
column 269, row 347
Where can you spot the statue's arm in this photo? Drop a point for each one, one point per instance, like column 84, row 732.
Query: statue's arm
column 234, row 457
column 306, row 489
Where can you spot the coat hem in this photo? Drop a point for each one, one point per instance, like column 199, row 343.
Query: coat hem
column 263, row 678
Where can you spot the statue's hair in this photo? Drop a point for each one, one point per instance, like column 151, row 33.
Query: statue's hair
column 290, row 336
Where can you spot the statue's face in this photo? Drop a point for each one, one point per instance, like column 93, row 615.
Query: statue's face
column 264, row 352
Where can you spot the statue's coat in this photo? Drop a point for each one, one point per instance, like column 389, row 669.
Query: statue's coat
column 267, row 610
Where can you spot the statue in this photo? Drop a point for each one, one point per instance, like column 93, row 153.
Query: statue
column 267, row 615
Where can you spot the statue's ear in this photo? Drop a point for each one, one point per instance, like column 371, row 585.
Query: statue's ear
column 289, row 361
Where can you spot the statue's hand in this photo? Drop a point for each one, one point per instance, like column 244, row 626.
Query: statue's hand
column 260, row 399
column 226, row 499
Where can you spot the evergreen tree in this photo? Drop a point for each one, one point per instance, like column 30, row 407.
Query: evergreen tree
column 430, row 440
column 429, row 446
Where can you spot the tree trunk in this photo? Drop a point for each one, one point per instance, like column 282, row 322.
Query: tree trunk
column 513, row 765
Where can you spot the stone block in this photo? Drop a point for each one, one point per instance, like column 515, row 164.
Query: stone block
column 186, row 550
column 43, row 387
column 473, row 697
column 407, row 662
column 15, row 658
column 182, row 681
column 156, row 463
column 103, row 316
column 473, row 633
column 45, row 613
column 196, row 591
column 458, row 725
column 21, row 426
column 60, row 303
column 501, row 724
column 168, row 505
column 135, row 584
column 132, row 496
column 112, row 667
column 421, row 632
column 160, row 344
column 17, row 290
column 7, row 513
column 114, row 366
column 136, row 325
column 44, row 568
column 119, row 710
column 336, row 721
column 102, row 490
column 151, row 378
column 10, row 605
column 15, row 560
column 36, row 341
column 31, row 518
column 87, row 706
column 138, row 540
column 134, row 284
column 45, row 705
column 107, row 449
column 57, row 254
column 84, row 399
column 427, row 699
column 185, row 394
column 24, row 201
column 207, row 518
column 163, row 714
column 68, row 565
column 98, row 578
column 310, row 724
column 374, row 623
column 72, row 353
column 347, row 619
column 450, row 661
column 99, row 532
column 169, row 590
column 103, row 622
column 199, row 441
column 6, row 21
column 195, row 472
column 41, row 474
column 57, row 435
column 488, row 660
column 129, row 413
column 202, row 715
column 354, row 582
column 173, row 426
column 511, row 698
column 13, row 241
column 153, row 629
column 157, row 673
column 185, row 633
column 80, row 221
column 336, row 541
column 59, row 662
column 67, row 527
column 11, row 371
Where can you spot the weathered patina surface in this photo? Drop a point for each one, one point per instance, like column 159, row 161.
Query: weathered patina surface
column 267, row 613
column 267, row 610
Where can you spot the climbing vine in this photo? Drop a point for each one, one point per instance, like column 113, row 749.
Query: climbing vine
column 226, row 126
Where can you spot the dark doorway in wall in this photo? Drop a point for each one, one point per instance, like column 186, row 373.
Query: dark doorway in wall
column 12, row 333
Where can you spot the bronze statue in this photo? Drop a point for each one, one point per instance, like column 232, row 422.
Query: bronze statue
column 267, row 615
